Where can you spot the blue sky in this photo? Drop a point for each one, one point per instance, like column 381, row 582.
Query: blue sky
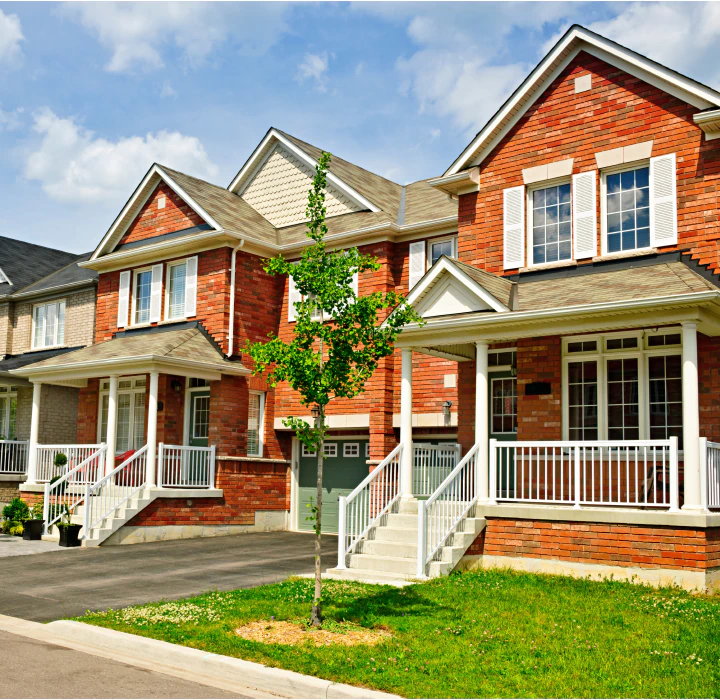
column 91, row 94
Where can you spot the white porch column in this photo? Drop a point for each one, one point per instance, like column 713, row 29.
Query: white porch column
column 112, row 425
column 481, row 417
column 691, row 417
column 34, row 433
column 406, row 406
column 152, row 430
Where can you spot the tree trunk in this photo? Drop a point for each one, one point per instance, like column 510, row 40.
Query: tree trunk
column 316, row 615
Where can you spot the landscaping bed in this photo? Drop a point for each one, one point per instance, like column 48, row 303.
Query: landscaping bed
column 480, row 634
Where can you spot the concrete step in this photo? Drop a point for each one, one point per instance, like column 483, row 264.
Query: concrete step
column 401, row 550
column 404, row 520
column 394, row 534
column 367, row 577
column 389, row 565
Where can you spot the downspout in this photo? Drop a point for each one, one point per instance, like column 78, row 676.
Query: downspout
column 231, row 330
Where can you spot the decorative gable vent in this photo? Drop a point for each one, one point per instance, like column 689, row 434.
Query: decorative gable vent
column 279, row 191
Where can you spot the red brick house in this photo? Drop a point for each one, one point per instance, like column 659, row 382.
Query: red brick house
column 556, row 412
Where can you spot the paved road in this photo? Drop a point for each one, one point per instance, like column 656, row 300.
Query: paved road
column 35, row 669
column 53, row 585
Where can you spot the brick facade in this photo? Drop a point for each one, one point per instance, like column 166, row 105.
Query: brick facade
column 619, row 110
column 653, row 547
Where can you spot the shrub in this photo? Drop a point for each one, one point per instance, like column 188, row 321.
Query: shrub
column 16, row 510
column 60, row 459
column 16, row 529
column 37, row 510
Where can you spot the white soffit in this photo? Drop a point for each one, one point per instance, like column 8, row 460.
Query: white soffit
column 266, row 147
column 575, row 40
column 137, row 201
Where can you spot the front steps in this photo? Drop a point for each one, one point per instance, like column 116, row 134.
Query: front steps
column 389, row 551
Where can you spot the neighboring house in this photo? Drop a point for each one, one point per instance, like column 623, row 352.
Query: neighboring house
column 47, row 308
column 555, row 412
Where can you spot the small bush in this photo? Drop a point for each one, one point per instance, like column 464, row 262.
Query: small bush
column 60, row 459
column 37, row 510
column 16, row 510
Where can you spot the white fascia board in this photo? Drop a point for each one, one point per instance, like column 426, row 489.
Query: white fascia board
column 57, row 290
column 155, row 172
column 476, row 321
column 445, row 265
column 258, row 156
column 5, row 277
column 579, row 39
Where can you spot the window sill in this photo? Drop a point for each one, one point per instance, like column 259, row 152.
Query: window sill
column 47, row 347
column 625, row 254
column 549, row 266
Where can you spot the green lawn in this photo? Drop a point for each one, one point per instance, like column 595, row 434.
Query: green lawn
column 488, row 633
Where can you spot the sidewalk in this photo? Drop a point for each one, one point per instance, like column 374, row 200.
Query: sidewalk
column 195, row 667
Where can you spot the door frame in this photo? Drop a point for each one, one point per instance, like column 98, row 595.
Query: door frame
column 500, row 373
column 187, row 407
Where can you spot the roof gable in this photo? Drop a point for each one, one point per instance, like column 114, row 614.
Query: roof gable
column 575, row 40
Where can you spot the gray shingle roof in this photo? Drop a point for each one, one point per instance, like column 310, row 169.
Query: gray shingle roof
column 71, row 274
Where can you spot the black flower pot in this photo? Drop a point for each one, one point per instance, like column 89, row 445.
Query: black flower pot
column 70, row 535
column 33, row 529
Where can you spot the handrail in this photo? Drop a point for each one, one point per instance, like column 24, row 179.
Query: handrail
column 13, row 456
column 61, row 493
column 183, row 466
column 440, row 514
column 114, row 489
column 45, row 458
column 368, row 502
column 710, row 473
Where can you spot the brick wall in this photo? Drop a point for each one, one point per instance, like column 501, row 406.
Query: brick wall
column 594, row 543
column 8, row 491
column 152, row 221
column 248, row 487
column 709, row 386
column 619, row 110
column 5, row 329
column 87, row 415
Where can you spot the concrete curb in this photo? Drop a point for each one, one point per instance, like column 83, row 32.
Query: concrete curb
column 199, row 666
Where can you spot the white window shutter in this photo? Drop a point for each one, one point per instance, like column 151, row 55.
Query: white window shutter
column 513, row 228
column 156, row 294
column 123, row 299
column 417, row 262
column 191, row 274
column 663, row 201
column 354, row 283
column 293, row 297
column 584, row 203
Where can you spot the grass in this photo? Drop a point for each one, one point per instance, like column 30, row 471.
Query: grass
column 480, row 634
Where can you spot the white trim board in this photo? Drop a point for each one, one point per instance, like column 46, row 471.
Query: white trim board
column 575, row 40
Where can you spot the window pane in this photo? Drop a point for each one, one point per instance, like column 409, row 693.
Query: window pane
column 254, row 419
column 11, row 421
column 627, row 210
column 504, row 405
column 176, row 291
column 105, row 401
column 142, row 296
column 623, row 401
column 139, row 421
column 552, row 230
column 39, row 327
column 201, row 417
column 50, row 324
column 61, row 323
column 665, row 398
column 582, row 400
column 439, row 249
column 122, row 441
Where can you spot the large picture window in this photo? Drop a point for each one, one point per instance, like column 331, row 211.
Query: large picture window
column 627, row 208
column 48, row 325
column 551, row 224
column 618, row 387
column 130, row 425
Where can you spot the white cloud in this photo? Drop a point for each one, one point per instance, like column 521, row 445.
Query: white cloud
column 168, row 90
column 314, row 67
column 139, row 33
column 73, row 165
column 10, row 37
column 11, row 121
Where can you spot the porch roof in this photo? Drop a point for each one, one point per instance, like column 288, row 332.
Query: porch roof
column 184, row 352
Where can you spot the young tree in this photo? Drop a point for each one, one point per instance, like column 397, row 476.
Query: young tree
column 339, row 338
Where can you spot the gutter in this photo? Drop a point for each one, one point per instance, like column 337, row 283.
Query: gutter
column 231, row 329
column 51, row 290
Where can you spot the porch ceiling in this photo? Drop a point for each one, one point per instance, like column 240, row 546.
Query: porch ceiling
column 187, row 352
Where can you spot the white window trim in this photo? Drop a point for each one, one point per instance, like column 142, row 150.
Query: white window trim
column 61, row 344
column 602, row 357
column 434, row 241
column 166, row 284
column 187, row 406
column 644, row 163
column 330, row 450
column 354, row 445
column 133, row 295
column 261, row 424
column 5, row 429
column 492, row 412
column 131, row 390
column 308, row 453
column 529, row 189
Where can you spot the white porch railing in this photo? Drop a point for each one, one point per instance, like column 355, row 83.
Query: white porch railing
column 180, row 466
column 631, row 473
column 368, row 502
column 13, row 456
column 114, row 489
column 67, row 492
column 76, row 454
column 440, row 514
column 710, row 454
column 431, row 466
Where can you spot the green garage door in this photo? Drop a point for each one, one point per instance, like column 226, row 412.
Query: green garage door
column 344, row 467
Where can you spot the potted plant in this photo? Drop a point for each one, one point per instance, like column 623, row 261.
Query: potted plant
column 69, row 532
column 33, row 528
column 15, row 514
column 60, row 462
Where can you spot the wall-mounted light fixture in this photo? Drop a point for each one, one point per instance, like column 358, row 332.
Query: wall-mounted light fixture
column 446, row 408
column 176, row 386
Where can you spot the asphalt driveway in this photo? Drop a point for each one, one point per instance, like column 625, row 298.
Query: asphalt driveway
column 52, row 585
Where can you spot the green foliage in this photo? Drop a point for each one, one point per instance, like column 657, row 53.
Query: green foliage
column 16, row 510
column 60, row 459
column 339, row 336
column 479, row 634
column 16, row 529
column 66, row 517
column 37, row 510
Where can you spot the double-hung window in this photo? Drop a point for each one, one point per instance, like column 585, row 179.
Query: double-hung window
column 625, row 386
column 627, row 210
column 256, row 419
column 48, row 324
column 438, row 248
column 8, row 412
column 175, row 286
column 550, row 224
column 142, row 294
column 130, row 424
